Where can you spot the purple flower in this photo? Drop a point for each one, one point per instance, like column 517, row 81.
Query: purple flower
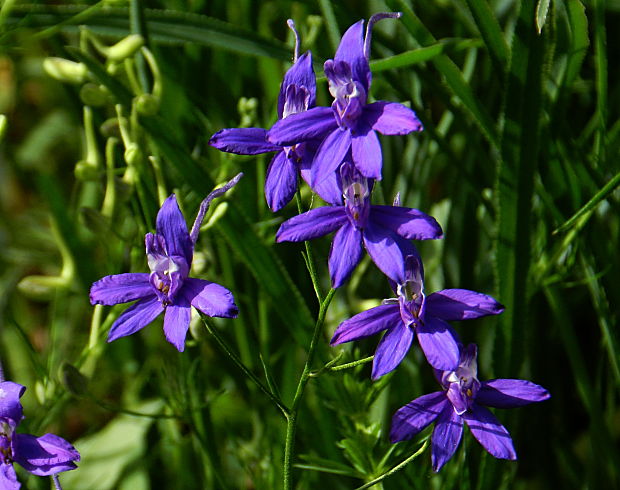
column 297, row 95
column 411, row 314
column 462, row 399
column 42, row 456
column 385, row 231
column 350, row 124
column 167, row 289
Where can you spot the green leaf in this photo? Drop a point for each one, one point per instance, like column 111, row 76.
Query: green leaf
column 542, row 8
column 118, row 448
column 579, row 39
column 450, row 71
column 515, row 183
column 491, row 33
column 163, row 26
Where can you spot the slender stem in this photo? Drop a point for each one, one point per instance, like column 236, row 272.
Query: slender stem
column 211, row 329
column 56, row 482
column 310, row 264
column 291, row 426
column 396, row 468
column 350, row 364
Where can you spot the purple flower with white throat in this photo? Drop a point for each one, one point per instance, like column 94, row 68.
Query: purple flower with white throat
column 350, row 124
column 385, row 231
column 297, row 95
column 42, row 456
column 167, row 288
column 463, row 399
column 414, row 314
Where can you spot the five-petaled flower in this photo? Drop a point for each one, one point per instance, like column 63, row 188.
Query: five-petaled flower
column 413, row 313
column 385, row 231
column 297, row 95
column 462, row 400
column 350, row 124
column 167, row 288
column 42, row 456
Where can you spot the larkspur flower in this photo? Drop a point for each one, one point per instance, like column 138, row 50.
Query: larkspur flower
column 42, row 456
column 167, row 289
column 413, row 314
column 385, row 231
column 350, row 124
column 297, row 95
column 463, row 399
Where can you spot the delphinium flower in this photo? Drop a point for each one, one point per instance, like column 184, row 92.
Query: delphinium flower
column 42, row 456
column 351, row 123
column 385, row 231
column 297, row 95
column 414, row 314
column 463, row 399
column 167, row 289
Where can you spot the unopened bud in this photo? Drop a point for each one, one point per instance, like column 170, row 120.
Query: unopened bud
column 110, row 129
column 65, row 70
column 133, row 154
column 125, row 47
column 3, row 125
column 146, row 104
column 86, row 171
column 41, row 288
column 94, row 95
column 75, row 382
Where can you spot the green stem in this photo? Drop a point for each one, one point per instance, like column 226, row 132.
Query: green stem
column 211, row 329
column 351, row 364
column 396, row 468
column 310, row 264
column 291, row 425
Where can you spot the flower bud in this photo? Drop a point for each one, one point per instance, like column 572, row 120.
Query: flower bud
column 94, row 95
column 146, row 104
column 110, row 129
column 125, row 48
column 86, row 171
column 41, row 288
column 3, row 125
column 65, row 70
column 75, row 382
column 133, row 154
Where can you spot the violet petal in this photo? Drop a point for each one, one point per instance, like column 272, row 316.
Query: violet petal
column 367, row 323
column 302, row 75
column 391, row 118
column 120, row 288
column 417, row 415
column 243, row 141
column 392, row 349
column 351, row 50
column 176, row 322
column 387, row 250
column 461, row 304
column 366, row 151
column 490, row 432
column 281, row 181
column 510, row 393
column 311, row 224
column 330, row 155
column 8, row 477
column 345, row 253
column 446, row 437
column 409, row 223
column 210, row 298
column 313, row 123
column 438, row 341
column 171, row 225
column 137, row 316
column 45, row 455
column 10, row 406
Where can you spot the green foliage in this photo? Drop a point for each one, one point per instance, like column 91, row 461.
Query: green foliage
column 517, row 161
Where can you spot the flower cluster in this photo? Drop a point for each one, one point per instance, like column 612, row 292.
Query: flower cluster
column 42, row 456
column 337, row 152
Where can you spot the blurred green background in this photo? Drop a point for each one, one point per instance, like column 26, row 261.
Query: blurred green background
column 518, row 162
